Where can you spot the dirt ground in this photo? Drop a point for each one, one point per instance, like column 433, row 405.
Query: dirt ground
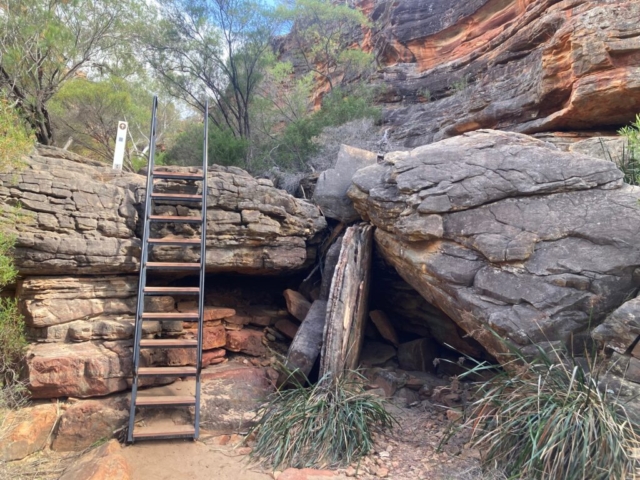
column 173, row 460
column 408, row 452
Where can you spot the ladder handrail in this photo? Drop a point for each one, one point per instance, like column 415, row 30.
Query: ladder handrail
column 203, row 263
column 143, row 267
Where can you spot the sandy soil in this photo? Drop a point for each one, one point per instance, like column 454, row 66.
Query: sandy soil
column 189, row 460
column 409, row 452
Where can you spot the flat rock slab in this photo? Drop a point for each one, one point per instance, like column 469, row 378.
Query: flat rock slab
column 47, row 301
column 87, row 369
column 27, row 431
column 231, row 393
column 103, row 463
column 84, row 220
column 504, row 232
column 86, row 422
column 621, row 329
column 331, row 190
column 78, row 370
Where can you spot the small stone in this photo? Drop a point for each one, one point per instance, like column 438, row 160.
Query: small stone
column 417, row 355
column 382, row 472
column 454, row 415
column 221, row 440
column 384, row 326
column 350, row 472
column 244, row 450
column 297, row 305
column 288, row 328
column 246, row 341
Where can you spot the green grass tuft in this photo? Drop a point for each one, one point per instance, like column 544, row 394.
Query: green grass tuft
column 548, row 418
column 326, row 425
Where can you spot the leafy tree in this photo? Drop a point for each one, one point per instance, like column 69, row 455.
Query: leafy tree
column 86, row 113
column 44, row 43
column 325, row 39
column 213, row 48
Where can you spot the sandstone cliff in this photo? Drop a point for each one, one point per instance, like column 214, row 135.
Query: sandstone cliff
column 78, row 247
column 449, row 67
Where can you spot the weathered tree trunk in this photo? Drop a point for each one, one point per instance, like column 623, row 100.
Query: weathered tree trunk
column 306, row 345
column 347, row 308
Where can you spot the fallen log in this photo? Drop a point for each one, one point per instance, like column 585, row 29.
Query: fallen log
column 306, row 345
column 347, row 307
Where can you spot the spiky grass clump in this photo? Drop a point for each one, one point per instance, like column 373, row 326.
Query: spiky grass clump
column 547, row 418
column 326, row 425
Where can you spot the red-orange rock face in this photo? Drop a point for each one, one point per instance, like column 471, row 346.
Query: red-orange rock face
column 530, row 66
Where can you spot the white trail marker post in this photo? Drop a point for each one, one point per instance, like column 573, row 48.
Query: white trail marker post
column 121, row 141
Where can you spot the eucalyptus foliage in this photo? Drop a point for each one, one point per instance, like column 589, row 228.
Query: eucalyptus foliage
column 324, row 37
column 44, row 43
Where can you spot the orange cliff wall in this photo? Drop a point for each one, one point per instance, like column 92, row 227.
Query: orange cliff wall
column 528, row 65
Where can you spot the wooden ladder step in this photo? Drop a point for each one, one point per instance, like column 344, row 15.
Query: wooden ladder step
column 164, row 432
column 175, row 218
column 178, row 197
column 175, row 241
column 173, row 266
column 171, row 316
column 168, row 343
column 167, row 371
column 171, row 290
column 176, row 175
column 165, row 401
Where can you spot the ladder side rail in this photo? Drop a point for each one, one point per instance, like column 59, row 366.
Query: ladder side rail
column 203, row 264
column 143, row 268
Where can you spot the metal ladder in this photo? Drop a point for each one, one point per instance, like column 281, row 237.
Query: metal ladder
column 182, row 431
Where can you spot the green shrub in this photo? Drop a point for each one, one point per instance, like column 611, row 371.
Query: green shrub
column 15, row 139
column 460, row 85
column 12, row 346
column 294, row 145
column 547, row 418
column 224, row 148
column 323, row 426
column 12, row 336
column 629, row 163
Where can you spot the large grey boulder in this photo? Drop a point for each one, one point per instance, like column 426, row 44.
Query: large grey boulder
column 504, row 232
column 331, row 190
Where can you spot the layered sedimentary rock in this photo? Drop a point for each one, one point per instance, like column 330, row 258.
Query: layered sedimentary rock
column 504, row 232
column 450, row 67
column 78, row 218
column 78, row 247
column 74, row 217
